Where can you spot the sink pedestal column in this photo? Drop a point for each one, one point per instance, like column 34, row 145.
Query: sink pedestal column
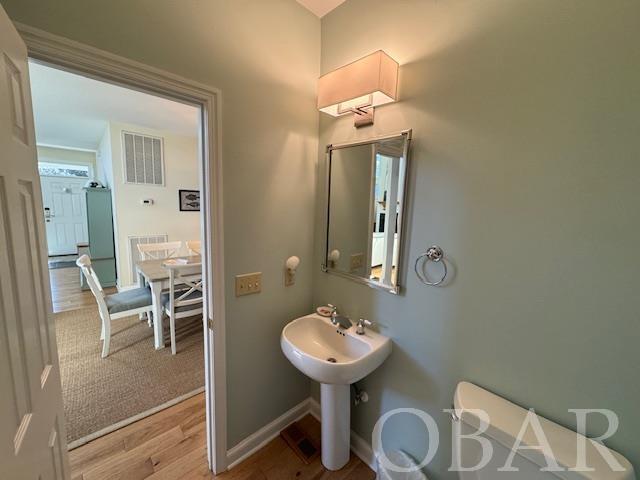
column 335, row 403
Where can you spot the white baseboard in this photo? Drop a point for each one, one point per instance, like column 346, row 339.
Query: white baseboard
column 359, row 446
column 314, row 409
column 259, row 439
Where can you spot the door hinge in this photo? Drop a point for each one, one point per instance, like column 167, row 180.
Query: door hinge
column 210, row 323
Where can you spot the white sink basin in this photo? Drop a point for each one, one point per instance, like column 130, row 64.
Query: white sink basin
column 336, row 358
column 331, row 355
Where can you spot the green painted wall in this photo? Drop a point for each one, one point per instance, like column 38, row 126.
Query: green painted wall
column 526, row 161
column 525, row 168
column 264, row 56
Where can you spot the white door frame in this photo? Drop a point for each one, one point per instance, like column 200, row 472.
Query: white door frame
column 91, row 62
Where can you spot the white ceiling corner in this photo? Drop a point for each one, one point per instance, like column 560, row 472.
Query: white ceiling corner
column 73, row 111
column 320, row 7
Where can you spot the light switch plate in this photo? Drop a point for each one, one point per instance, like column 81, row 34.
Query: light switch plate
column 356, row 262
column 248, row 283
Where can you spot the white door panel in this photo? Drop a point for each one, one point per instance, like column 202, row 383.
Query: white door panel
column 65, row 213
column 32, row 434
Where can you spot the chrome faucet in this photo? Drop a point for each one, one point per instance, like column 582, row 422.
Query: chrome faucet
column 338, row 320
column 362, row 323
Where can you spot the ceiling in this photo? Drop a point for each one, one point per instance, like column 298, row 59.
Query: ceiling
column 320, row 7
column 73, row 111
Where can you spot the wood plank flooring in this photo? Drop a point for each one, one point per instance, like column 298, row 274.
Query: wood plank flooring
column 66, row 293
column 171, row 445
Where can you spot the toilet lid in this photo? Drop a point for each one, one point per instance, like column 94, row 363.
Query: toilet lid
column 506, row 420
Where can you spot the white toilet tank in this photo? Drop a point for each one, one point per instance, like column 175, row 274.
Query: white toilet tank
column 505, row 421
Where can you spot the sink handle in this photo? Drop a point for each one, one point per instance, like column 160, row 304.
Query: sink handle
column 333, row 308
column 362, row 323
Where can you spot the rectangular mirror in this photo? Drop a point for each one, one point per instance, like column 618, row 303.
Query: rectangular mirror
column 366, row 192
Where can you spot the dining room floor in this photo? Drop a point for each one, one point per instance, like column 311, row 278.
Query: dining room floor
column 100, row 393
column 66, row 293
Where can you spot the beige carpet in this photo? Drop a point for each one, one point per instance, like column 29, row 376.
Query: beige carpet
column 134, row 377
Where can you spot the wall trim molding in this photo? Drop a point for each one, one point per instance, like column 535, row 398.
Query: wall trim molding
column 315, row 409
column 259, row 439
column 92, row 62
column 359, row 446
column 60, row 147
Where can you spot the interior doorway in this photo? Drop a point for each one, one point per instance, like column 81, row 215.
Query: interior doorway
column 113, row 163
column 37, row 407
column 73, row 57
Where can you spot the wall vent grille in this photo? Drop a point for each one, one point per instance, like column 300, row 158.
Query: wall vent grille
column 134, row 254
column 143, row 159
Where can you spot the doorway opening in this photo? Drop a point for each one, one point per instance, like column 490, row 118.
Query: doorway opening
column 124, row 245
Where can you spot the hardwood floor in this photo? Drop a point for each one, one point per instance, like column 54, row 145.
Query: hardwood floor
column 66, row 293
column 376, row 273
column 171, row 445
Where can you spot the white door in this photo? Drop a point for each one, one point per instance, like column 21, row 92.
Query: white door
column 65, row 213
column 32, row 433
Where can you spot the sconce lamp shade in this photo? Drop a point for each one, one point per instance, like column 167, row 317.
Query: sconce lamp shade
column 292, row 263
column 368, row 82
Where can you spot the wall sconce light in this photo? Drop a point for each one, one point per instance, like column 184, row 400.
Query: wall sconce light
column 333, row 258
column 291, row 265
column 359, row 87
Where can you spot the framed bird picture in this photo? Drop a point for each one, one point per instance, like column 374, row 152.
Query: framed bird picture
column 189, row 200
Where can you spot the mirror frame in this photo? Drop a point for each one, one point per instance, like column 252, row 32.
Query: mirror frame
column 395, row 289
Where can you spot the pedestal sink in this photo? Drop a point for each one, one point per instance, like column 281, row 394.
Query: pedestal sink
column 336, row 358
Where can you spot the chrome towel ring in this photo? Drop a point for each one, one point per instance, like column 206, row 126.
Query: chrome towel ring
column 436, row 255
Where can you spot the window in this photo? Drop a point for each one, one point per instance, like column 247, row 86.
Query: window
column 143, row 159
column 47, row 169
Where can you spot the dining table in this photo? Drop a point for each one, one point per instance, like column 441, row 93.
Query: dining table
column 156, row 275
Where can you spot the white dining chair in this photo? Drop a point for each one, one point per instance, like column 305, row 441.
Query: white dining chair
column 159, row 251
column 194, row 247
column 185, row 296
column 115, row 306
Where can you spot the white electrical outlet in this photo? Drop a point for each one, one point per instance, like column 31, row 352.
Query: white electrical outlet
column 248, row 283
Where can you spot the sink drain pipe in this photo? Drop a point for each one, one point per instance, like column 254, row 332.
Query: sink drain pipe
column 359, row 395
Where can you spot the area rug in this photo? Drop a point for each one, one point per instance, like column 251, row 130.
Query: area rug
column 134, row 379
